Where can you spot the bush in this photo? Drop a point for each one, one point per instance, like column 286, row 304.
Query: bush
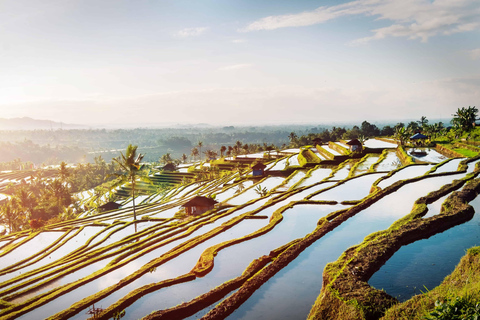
column 462, row 308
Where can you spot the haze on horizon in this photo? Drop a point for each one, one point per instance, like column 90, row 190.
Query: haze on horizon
column 237, row 62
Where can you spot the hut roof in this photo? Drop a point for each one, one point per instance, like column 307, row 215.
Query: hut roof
column 354, row 142
column 200, row 201
column 418, row 136
column 170, row 167
column 111, row 205
column 259, row 166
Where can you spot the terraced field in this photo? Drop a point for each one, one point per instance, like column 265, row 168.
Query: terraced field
column 253, row 256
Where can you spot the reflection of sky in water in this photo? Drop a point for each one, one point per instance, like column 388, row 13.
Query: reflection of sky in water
column 374, row 143
column 33, row 246
column 432, row 155
column 365, row 165
column 280, row 165
column 183, row 264
column 295, row 177
column 334, row 152
column 353, row 189
column 405, row 173
column 316, row 175
column 292, row 291
column 293, row 160
column 251, row 193
column 427, row 262
column 168, row 270
column 230, row 192
column 231, row 262
column 390, row 162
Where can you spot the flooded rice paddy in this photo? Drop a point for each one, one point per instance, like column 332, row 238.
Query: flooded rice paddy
column 101, row 263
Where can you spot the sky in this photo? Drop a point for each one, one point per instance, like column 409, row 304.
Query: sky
column 225, row 62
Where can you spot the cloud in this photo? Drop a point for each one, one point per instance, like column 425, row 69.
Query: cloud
column 239, row 41
column 191, row 32
column 236, row 67
column 474, row 54
column 413, row 19
column 273, row 104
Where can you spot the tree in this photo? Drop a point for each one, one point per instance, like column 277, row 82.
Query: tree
column 166, row 158
column 184, row 158
column 10, row 216
column 401, row 134
column 194, row 153
column 222, row 150
column 293, row 139
column 200, row 145
column 130, row 164
column 423, row 121
column 464, row 119
column 369, row 130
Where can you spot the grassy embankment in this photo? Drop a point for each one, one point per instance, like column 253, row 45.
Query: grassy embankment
column 346, row 293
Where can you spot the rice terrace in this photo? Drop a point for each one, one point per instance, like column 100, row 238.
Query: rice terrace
column 366, row 224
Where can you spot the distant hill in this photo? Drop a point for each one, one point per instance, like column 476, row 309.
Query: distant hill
column 27, row 123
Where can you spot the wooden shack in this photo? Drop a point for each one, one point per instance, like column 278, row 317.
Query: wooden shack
column 355, row 145
column 258, row 169
column 199, row 205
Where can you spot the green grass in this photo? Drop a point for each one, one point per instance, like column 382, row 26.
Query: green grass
column 466, row 152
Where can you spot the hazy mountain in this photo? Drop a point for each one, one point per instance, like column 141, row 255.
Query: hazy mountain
column 27, row 123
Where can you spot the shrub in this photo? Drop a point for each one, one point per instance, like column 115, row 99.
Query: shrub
column 462, row 308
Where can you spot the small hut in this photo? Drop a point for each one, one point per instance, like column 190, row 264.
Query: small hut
column 355, row 145
column 258, row 169
column 417, row 137
column 199, row 205
column 169, row 167
column 111, row 205
column 317, row 141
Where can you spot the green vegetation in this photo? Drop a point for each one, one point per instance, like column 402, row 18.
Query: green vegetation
column 46, row 204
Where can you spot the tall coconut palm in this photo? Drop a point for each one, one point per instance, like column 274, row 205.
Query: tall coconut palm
column 194, row 153
column 200, row 145
column 423, row 121
column 132, row 169
column 222, row 150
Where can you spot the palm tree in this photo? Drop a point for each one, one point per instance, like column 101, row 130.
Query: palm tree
column 423, row 121
column 184, row 158
column 222, row 150
column 9, row 216
column 63, row 173
column 194, row 153
column 200, row 145
column 293, row 138
column 401, row 134
column 166, row 158
column 464, row 119
column 131, row 167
